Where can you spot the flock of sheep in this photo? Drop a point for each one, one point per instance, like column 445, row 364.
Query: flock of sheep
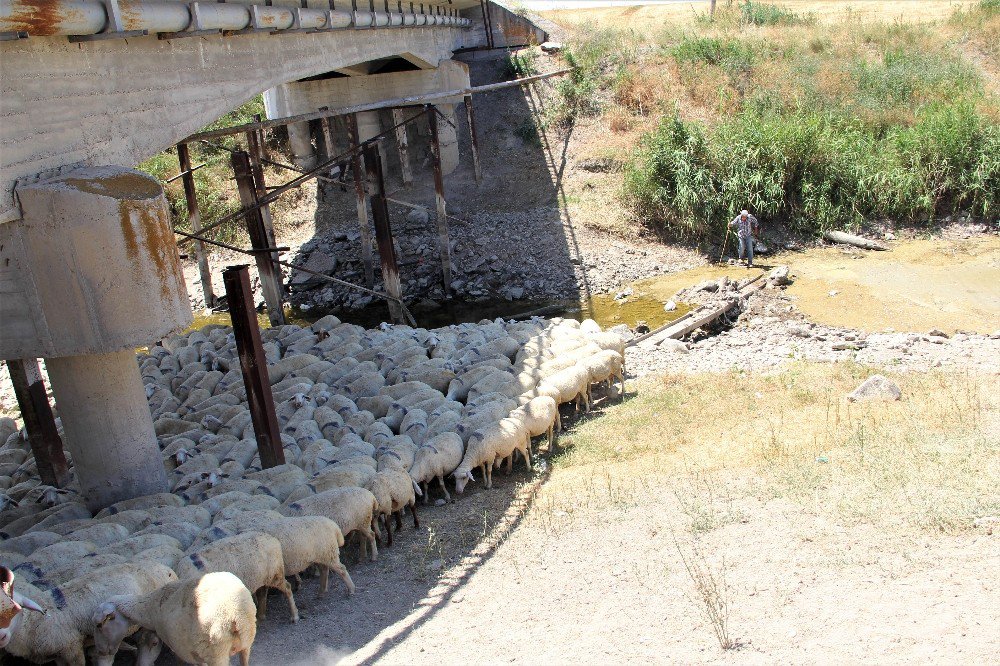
column 369, row 420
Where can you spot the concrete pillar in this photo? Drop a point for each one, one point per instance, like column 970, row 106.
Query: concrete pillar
column 370, row 125
column 448, row 137
column 90, row 273
column 300, row 142
column 108, row 428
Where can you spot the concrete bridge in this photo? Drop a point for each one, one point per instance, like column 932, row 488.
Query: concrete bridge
column 89, row 269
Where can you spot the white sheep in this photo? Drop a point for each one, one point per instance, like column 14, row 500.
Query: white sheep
column 203, row 620
column 308, row 540
column 353, row 509
column 394, row 490
column 573, row 384
column 256, row 560
column 61, row 633
column 489, row 446
column 539, row 416
column 437, row 458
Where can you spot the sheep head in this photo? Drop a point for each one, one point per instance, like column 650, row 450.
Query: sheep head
column 110, row 629
column 462, row 478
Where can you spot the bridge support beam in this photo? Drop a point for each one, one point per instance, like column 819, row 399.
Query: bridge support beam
column 91, row 273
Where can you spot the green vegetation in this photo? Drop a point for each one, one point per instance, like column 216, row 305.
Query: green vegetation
column 217, row 195
column 815, row 126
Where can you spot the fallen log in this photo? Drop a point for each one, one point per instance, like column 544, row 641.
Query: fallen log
column 851, row 239
column 681, row 326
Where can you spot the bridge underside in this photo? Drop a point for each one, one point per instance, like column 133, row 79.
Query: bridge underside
column 78, row 103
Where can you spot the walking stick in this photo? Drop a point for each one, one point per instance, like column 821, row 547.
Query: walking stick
column 724, row 242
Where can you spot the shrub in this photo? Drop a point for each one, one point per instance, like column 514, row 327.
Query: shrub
column 759, row 13
column 816, row 170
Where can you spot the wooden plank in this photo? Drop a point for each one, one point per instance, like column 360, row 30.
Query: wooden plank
column 46, row 445
column 444, row 242
column 403, row 146
column 359, row 193
column 253, row 364
column 383, row 232
column 270, row 276
column 194, row 219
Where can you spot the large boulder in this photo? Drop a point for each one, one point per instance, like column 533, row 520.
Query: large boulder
column 876, row 387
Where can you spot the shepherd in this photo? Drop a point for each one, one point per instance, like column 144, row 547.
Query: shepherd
column 748, row 227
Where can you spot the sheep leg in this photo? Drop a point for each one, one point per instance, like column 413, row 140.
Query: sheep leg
column 558, row 420
column 341, row 571
column 261, row 603
column 282, row 586
column 245, row 657
column 399, row 519
column 372, row 541
column 484, row 470
column 527, row 457
column 489, row 475
column 324, row 579
column 387, row 520
column 510, row 464
column 447, row 497
column 413, row 511
column 424, row 488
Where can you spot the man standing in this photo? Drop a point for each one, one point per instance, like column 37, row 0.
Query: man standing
column 748, row 227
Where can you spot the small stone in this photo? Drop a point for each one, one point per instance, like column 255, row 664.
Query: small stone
column 641, row 327
column 833, row 292
column 779, row 276
column 890, row 236
column 516, row 293
column 417, row 217
column 675, row 346
column 436, row 565
column 440, row 502
column 876, row 387
column 669, row 306
column 551, row 47
column 937, row 333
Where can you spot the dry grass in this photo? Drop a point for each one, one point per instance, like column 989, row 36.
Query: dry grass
column 930, row 462
column 652, row 19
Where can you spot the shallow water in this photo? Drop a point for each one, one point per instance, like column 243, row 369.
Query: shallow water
column 918, row 285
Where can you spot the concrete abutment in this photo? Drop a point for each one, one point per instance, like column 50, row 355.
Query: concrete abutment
column 91, row 272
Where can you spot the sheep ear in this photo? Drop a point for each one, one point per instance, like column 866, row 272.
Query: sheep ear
column 471, row 478
column 416, row 488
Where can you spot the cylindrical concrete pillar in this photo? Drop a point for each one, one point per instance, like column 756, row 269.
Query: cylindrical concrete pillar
column 108, row 427
column 448, row 137
column 369, row 126
column 92, row 272
column 300, row 141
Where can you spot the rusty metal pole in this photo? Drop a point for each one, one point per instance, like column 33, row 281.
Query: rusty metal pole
column 194, row 219
column 253, row 365
column 36, row 413
column 383, row 231
column 359, row 192
column 270, row 274
column 255, row 142
column 444, row 243
column 475, row 139
column 403, row 144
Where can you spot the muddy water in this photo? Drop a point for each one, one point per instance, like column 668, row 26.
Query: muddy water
column 918, row 285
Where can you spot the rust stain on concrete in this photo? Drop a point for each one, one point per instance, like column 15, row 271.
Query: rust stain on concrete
column 119, row 186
